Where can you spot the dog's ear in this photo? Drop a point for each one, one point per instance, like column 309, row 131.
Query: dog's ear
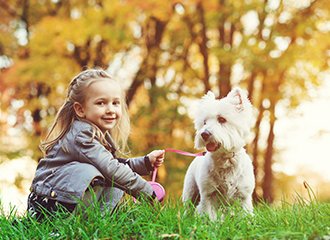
column 209, row 95
column 239, row 98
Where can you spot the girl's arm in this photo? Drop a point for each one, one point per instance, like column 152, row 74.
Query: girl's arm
column 121, row 176
column 143, row 165
column 140, row 165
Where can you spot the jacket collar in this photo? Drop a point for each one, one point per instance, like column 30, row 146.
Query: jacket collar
column 111, row 143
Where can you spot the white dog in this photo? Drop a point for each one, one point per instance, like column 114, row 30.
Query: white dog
column 225, row 173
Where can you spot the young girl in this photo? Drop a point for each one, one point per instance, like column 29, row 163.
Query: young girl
column 80, row 150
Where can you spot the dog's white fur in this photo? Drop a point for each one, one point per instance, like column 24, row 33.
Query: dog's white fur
column 225, row 173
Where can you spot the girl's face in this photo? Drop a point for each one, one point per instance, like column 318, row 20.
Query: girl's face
column 102, row 104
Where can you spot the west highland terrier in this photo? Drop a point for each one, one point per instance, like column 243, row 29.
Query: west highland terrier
column 225, row 173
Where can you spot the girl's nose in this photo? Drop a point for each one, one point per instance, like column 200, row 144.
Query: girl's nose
column 110, row 108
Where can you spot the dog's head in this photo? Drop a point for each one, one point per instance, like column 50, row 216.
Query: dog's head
column 223, row 124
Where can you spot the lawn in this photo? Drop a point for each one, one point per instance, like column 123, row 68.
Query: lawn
column 171, row 220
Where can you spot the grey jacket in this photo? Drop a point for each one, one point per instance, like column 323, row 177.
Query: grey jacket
column 67, row 170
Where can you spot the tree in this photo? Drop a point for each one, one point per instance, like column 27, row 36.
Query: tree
column 173, row 53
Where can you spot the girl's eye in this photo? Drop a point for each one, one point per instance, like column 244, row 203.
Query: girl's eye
column 100, row 103
column 116, row 103
column 221, row 119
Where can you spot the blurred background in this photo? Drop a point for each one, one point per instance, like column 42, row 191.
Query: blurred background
column 168, row 54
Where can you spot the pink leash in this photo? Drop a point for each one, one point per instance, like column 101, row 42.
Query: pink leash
column 185, row 153
column 159, row 189
column 154, row 174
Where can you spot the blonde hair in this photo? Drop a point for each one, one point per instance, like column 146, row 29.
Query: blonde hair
column 66, row 114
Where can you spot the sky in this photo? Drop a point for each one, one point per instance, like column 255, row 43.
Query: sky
column 305, row 137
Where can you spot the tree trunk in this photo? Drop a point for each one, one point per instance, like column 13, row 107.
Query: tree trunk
column 267, row 185
column 251, row 81
column 255, row 152
column 255, row 143
column 154, row 32
column 100, row 58
column 202, row 43
column 25, row 17
column 226, row 30
column 224, row 79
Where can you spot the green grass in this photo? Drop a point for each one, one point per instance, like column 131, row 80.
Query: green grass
column 172, row 220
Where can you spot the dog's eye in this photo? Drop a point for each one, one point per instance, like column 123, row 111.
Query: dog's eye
column 204, row 122
column 221, row 119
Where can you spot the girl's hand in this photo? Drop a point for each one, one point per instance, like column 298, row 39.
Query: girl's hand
column 156, row 157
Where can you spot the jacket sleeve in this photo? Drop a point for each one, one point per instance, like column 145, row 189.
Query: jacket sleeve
column 140, row 165
column 119, row 174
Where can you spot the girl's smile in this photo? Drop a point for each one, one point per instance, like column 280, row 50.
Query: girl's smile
column 110, row 121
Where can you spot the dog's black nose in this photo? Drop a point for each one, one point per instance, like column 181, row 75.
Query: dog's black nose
column 205, row 135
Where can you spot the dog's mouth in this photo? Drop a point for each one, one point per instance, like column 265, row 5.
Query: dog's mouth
column 212, row 146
